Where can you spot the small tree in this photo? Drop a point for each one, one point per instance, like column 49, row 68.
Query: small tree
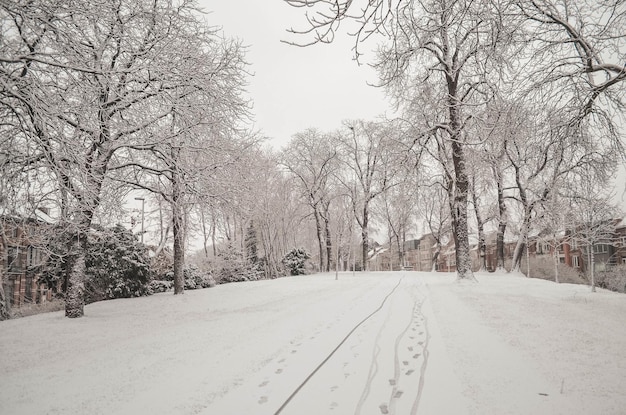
column 596, row 215
column 295, row 261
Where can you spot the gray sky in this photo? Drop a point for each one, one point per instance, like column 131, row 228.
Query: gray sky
column 295, row 88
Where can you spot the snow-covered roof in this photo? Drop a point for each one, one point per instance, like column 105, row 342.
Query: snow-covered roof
column 22, row 213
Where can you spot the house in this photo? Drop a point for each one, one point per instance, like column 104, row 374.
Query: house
column 22, row 253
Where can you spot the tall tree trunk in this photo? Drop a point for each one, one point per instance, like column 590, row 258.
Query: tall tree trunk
column 502, row 221
column 365, row 236
column 521, row 242
column 4, row 305
column 320, row 238
column 461, row 184
column 555, row 255
column 89, row 201
column 178, row 232
column 213, row 231
column 459, row 207
column 329, row 245
column 482, row 246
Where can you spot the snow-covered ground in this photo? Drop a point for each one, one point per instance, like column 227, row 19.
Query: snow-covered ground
column 374, row 343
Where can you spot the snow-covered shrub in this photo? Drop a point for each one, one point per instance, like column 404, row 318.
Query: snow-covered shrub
column 295, row 261
column 233, row 267
column 613, row 278
column 117, row 265
column 162, row 264
column 160, row 286
column 543, row 268
column 194, row 278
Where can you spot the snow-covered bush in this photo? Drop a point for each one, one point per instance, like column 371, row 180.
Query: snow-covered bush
column 295, row 261
column 194, row 278
column 160, row 286
column 117, row 265
column 233, row 267
column 613, row 278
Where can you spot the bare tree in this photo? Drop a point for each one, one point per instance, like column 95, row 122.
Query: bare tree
column 93, row 83
column 447, row 46
column 595, row 215
column 370, row 170
column 579, row 46
column 312, row 158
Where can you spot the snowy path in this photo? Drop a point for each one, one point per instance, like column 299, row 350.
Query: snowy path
column 376, row 343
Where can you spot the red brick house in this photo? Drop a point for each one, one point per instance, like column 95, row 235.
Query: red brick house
column 21, row 255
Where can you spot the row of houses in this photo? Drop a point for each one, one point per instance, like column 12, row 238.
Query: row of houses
column 424, row 254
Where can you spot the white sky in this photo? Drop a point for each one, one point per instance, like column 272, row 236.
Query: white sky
column 296, row 88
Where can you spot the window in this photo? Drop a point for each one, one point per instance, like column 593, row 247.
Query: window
column 601, row 248
column 576, row 261
column 13, row 259
column 34, row 256
column 623, row 241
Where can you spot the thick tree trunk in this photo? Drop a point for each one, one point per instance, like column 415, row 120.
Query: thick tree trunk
column 4, row 305
column 459, row 213
column 461, row 185
column 320, row 238
column 502, row 220
column 518, row 254
column 75, row 292
column 329, row 245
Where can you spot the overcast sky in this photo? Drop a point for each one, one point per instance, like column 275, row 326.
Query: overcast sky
column 296, row 88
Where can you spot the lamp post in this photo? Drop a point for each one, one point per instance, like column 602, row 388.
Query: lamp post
column 143, row 203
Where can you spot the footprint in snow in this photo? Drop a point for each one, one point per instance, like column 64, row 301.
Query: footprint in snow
column 278, row 371
column 383, row 408
column 262, row 400
column 264, row 383
column 408, row 372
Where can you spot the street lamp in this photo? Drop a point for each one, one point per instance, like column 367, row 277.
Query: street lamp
column 143, row 203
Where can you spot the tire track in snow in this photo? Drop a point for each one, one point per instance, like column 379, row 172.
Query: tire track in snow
column 297, row 390
column 374, row 364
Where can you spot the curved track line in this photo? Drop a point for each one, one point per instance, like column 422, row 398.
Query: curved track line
column 373, row 366
column 295, row 392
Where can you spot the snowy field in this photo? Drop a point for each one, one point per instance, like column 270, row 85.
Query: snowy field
column 374, row 343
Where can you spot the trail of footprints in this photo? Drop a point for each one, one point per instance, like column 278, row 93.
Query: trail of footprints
column 410, row 355
column 410, row 352
column 282, row 363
